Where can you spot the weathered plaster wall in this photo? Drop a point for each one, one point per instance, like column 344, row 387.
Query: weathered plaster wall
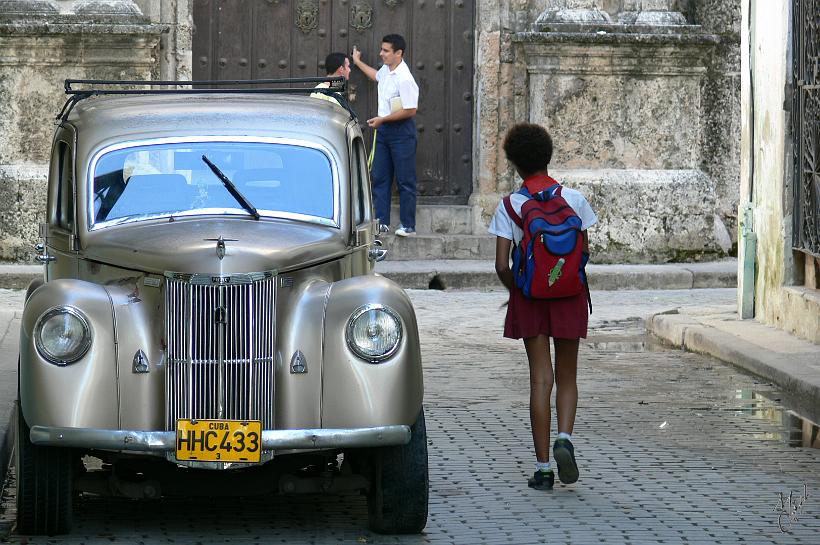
column 42, row 44
column 176, row 45
column 721, row 103
column 766, row 170
column 495, row 91
column 672, row 130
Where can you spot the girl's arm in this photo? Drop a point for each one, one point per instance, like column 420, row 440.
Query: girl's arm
column 502, row 261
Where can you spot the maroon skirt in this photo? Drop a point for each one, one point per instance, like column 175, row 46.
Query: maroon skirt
column 564, row 318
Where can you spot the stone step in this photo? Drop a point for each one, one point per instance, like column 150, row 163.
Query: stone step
column 438, row 219
column 421, row 247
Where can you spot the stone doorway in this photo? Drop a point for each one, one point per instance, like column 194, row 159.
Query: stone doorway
column 250, row 39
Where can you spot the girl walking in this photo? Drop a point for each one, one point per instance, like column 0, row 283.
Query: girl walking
column 529, row 148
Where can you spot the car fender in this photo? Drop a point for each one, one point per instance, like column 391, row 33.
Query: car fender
column 357, row 393
column 82, row 394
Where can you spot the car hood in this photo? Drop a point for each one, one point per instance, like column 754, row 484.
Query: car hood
column 192, row 245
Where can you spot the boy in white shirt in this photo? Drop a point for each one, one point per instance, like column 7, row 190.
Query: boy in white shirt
column 336, row 65
column 396, row 140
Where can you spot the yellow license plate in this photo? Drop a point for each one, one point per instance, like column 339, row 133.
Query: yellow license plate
column 219, row 440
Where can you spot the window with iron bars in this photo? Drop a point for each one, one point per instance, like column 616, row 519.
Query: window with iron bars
column 806, row 137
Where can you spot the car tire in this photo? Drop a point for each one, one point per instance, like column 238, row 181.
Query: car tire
column 44, row 485
column 397, row 500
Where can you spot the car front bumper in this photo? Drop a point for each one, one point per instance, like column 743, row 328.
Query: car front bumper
column 165, row 441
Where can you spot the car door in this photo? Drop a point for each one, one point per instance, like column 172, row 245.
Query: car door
column 361, row 211
column 60, row 252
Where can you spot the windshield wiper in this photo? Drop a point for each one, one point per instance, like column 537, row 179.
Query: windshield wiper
column 240, row 198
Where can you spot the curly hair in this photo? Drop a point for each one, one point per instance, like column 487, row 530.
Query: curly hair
column 529, row 147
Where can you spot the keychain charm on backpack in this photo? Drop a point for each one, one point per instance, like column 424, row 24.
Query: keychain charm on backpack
column 555, row 273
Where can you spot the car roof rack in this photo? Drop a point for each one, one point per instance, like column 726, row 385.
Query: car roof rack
column 96, row 87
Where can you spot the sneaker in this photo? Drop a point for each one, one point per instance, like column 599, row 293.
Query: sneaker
column 541, row 480
column 403, row 231
column 564, row 454
column 384, row 228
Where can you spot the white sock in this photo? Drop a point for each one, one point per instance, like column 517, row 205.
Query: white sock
column 542, row 466
column 564, row 435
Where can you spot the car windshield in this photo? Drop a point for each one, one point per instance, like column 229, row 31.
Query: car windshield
column 168, row 179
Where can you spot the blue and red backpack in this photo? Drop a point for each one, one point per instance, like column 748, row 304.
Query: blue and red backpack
column 549, row 261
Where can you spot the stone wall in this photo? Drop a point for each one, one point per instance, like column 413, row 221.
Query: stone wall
column 176, row 44
column 625, row 139
column 43, row 43
column 643, row 105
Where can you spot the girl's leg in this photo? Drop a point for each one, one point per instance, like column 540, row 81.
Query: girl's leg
column 541, row 380
column 566, row 394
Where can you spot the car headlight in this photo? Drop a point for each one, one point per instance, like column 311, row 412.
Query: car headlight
column 374, row 332
column 62, row 335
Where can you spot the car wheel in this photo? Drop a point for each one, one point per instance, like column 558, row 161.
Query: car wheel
column 44, row 485
column 397, row 502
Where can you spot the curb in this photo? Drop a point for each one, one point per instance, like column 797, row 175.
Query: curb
column 472, row 274
column 465, row 274
column 18, row 277
column 795, row 373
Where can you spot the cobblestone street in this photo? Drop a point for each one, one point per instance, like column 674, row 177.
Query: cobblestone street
column 673, row 448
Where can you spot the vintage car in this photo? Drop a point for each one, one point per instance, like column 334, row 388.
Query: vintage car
column 209, row 321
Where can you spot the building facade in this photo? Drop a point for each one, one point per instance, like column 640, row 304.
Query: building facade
column 780, row 174
column 641, row 96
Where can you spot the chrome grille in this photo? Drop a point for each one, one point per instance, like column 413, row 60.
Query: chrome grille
column 220, row 347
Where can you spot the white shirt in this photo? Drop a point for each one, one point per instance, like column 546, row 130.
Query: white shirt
column 322, row 96
column 398, row 83
column 503, row 226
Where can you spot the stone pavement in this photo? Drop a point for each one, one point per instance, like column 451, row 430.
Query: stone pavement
column 790, row 362
column 11, row 311
column 674, row 447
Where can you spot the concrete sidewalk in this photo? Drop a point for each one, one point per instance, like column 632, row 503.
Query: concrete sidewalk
column 788, row 361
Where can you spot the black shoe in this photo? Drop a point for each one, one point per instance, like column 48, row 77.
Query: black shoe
column 564, row 454
column 542, row 480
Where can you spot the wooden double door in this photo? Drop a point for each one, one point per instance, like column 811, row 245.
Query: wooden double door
column 259, row 39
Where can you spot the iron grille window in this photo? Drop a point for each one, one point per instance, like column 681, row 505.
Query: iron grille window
column 806, row 124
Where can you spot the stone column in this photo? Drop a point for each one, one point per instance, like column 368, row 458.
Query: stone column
column 176, row 45
column 45, row 42
column 659, row 12
column 574, row 11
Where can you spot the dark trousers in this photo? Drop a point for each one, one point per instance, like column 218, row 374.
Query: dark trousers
column 395, row 155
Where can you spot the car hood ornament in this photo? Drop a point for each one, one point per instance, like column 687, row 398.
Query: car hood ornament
column 220, row 245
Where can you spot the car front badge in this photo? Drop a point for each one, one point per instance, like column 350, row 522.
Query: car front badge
column 141, row 364
column 298, row 363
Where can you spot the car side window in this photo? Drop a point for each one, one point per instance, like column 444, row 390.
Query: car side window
column 361, row 197
column 64, row 213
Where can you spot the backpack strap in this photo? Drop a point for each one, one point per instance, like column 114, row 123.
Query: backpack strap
column 585, row 278
column 511, row 212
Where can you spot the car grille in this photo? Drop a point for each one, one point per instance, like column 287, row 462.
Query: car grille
column 220, row 347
